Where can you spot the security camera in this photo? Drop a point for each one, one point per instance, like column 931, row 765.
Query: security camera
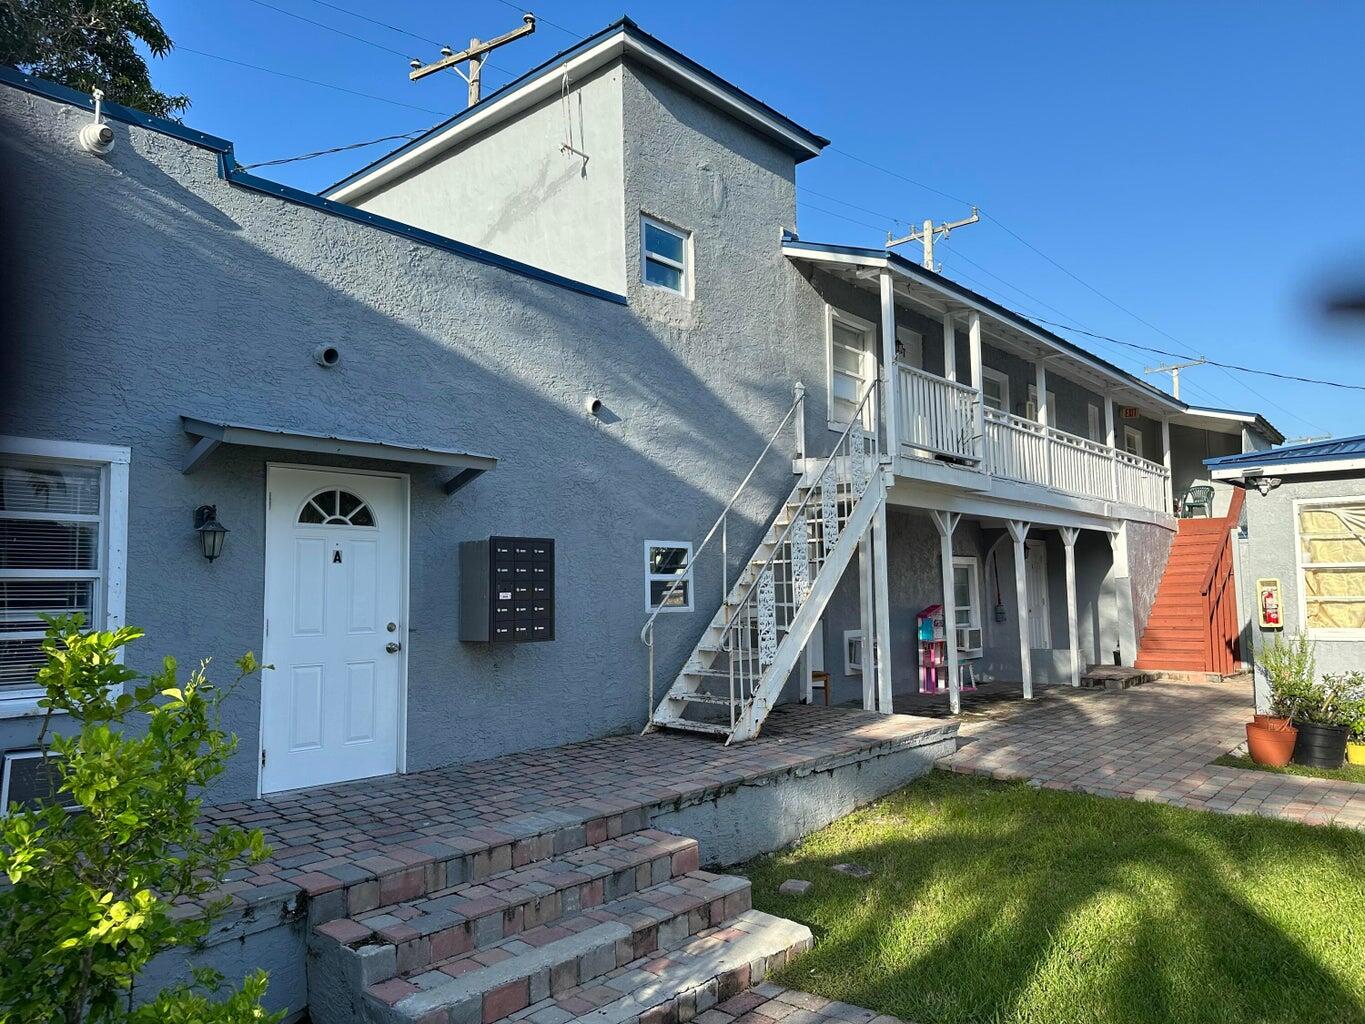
column 327, row 355
column 593, row 405
column 97, row 139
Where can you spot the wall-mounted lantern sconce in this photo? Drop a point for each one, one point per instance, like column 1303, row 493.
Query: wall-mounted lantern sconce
column 211, row 531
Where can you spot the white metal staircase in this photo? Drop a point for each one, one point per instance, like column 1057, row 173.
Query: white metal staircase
column 738, row 668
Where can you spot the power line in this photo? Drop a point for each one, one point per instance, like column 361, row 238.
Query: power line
column 543, row 21
column 1029, row 245
column 1211, row 362
column 380, row 24
column 330, row 28
column 309, row 81
column 335, row 149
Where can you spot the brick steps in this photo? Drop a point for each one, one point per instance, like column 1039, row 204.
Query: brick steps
column 681, row 983
column 411, row 935
column 554, row 960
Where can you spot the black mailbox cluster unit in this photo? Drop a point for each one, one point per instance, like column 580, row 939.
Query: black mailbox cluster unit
column 507, row 589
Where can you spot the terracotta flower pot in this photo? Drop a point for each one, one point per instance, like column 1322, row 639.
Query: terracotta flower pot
column 1355, row 752
column 1271, row 747
column 1275, row 722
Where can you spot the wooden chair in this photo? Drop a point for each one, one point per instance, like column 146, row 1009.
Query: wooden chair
column 820, row 680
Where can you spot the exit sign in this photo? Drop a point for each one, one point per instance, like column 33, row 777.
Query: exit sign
column 1129, row 412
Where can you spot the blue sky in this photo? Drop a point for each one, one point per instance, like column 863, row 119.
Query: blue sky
column 1195, row 170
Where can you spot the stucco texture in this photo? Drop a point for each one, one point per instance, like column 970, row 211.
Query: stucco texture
column 142, row 287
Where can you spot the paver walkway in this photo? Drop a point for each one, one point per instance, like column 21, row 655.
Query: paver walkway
column 344, row 834
column 1153, row 742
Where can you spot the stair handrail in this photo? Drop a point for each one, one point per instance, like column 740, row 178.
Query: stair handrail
column 805, row 500
column 1234, row 511
column 647, row 630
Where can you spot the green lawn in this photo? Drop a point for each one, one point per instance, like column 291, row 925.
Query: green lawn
column 1346, row 773
column 997, row 902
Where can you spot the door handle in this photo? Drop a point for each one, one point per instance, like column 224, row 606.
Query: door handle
column 393, row 647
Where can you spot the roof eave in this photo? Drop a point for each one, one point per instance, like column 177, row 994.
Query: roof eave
column 619, row 40
column 856, row 255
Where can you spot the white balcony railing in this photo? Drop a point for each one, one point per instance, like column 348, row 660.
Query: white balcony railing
column 937, row 415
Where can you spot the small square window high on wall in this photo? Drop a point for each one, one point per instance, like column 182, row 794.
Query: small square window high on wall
column 665, row 255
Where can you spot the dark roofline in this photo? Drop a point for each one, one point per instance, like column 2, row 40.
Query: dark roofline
column 1004, row 312
column 623, row 24
column 1262, row 424
column 1334, row 450
column 230, row 172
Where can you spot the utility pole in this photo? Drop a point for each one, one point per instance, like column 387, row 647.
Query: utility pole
column 476, row 54
column 1174, row 370
column 928, row 232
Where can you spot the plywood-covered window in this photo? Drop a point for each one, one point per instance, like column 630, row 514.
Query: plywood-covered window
column 1331, row 543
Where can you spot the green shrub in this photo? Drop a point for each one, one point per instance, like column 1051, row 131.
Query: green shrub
column 1290, row 667
column 91, row 892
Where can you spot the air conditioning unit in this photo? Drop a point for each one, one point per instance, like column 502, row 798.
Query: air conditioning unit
column 31, row 780
column 969, row 638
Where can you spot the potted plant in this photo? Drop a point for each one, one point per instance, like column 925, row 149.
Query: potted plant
column 1355, row 746
column 1324, row 716
column 1288, row 668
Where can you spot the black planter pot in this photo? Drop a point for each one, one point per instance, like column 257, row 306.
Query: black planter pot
column 1320, row 746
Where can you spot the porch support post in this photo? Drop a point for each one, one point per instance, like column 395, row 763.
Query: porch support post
column 1166, row 461
column 889, row 385
column 1109, row 439
column 978, row 379
column 947, row 523
column 867, row 622
column 949, row 347
column 1069, row 535
column 882, row 606
column 1018, row 532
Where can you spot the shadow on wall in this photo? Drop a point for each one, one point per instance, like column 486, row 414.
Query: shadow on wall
column 179, row 305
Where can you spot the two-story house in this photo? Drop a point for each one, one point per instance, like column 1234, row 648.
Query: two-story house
column 545, row 426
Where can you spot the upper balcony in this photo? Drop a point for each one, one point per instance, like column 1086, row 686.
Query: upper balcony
column 942, row 421
column 983, row 409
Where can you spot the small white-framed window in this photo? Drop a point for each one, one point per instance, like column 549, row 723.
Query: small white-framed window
column 995, row 389
column 851, row 365
column 63, row 549
column 1329, row 537
column 1094, row 425
column 665, row 256
column 966, row 591
column 1132, row 441
column 853, row 652
column 668, row 562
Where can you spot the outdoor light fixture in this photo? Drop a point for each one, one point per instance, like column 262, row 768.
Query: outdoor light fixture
column 211, row 531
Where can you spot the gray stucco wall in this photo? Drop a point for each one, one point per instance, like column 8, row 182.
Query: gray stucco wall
column 143, row 286
column 514, row 192
column 1271, row 551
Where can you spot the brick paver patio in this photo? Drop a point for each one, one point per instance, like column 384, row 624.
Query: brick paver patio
column 389, row 832
column 1153, row 742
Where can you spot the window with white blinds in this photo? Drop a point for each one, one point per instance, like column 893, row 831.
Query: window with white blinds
column 54, row 554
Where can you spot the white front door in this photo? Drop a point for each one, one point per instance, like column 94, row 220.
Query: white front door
column 1035, row 578
column 335, row 545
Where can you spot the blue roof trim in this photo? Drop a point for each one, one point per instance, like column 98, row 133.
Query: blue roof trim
column 620, row 25
column 1313, row 451
column 229, row 171
column 915, row 270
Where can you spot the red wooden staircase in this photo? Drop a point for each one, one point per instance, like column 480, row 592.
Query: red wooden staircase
column 1193, row 625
